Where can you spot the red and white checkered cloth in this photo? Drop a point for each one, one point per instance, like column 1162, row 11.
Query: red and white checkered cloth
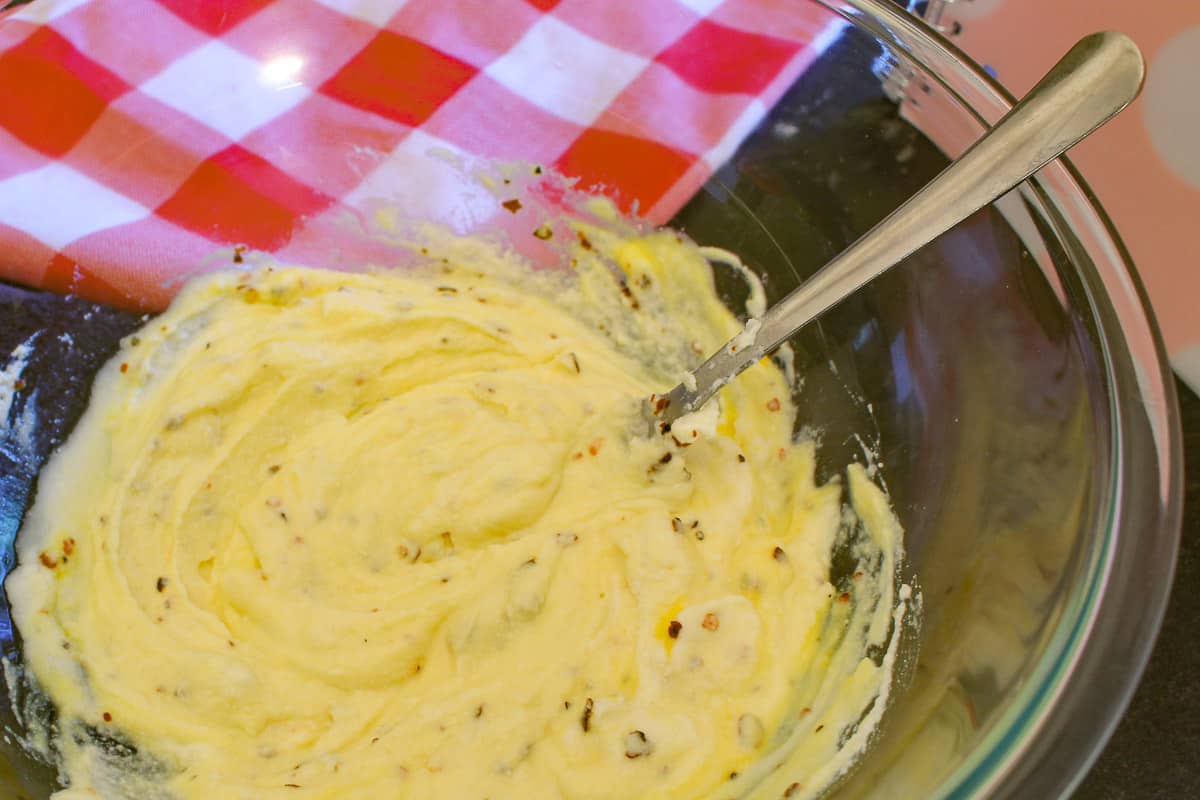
column 138, row 136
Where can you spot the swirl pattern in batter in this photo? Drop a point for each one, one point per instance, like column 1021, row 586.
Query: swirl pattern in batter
column 399, row 534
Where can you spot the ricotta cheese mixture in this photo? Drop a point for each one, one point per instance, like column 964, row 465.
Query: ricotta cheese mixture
column 404, row 534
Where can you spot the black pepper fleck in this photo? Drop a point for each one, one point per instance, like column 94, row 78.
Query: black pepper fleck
column 586, row 719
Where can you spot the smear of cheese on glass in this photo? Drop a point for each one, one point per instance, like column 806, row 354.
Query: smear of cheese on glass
column 403, row 534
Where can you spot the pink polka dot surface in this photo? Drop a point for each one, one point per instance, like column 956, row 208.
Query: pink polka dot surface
column 1145, row 165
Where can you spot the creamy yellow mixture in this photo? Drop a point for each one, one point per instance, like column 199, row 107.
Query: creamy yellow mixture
column 403, row 534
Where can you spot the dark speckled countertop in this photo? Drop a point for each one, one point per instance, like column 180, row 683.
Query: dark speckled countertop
column 1155, row 751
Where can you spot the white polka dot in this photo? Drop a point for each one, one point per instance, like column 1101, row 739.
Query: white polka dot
column 1187, row 363
column 1170, row 110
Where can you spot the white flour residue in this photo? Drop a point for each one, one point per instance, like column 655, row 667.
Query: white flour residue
column 22, row 428
column 35, row 740
column 19, row 431
column 11, row 383
column 12, row 678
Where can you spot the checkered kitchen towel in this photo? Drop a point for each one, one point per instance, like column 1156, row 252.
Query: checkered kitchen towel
column 138, row 136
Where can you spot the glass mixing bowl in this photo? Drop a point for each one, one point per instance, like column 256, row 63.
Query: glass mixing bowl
column 1008, row 380
column 1015, row 387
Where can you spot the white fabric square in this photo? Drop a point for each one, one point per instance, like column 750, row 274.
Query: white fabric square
column 57, row 205
column 701, row 7
column 742, row 127
column 373, row 11
column 566, row 72
column 46, row 10
column 224, row 89
column 427, row 179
